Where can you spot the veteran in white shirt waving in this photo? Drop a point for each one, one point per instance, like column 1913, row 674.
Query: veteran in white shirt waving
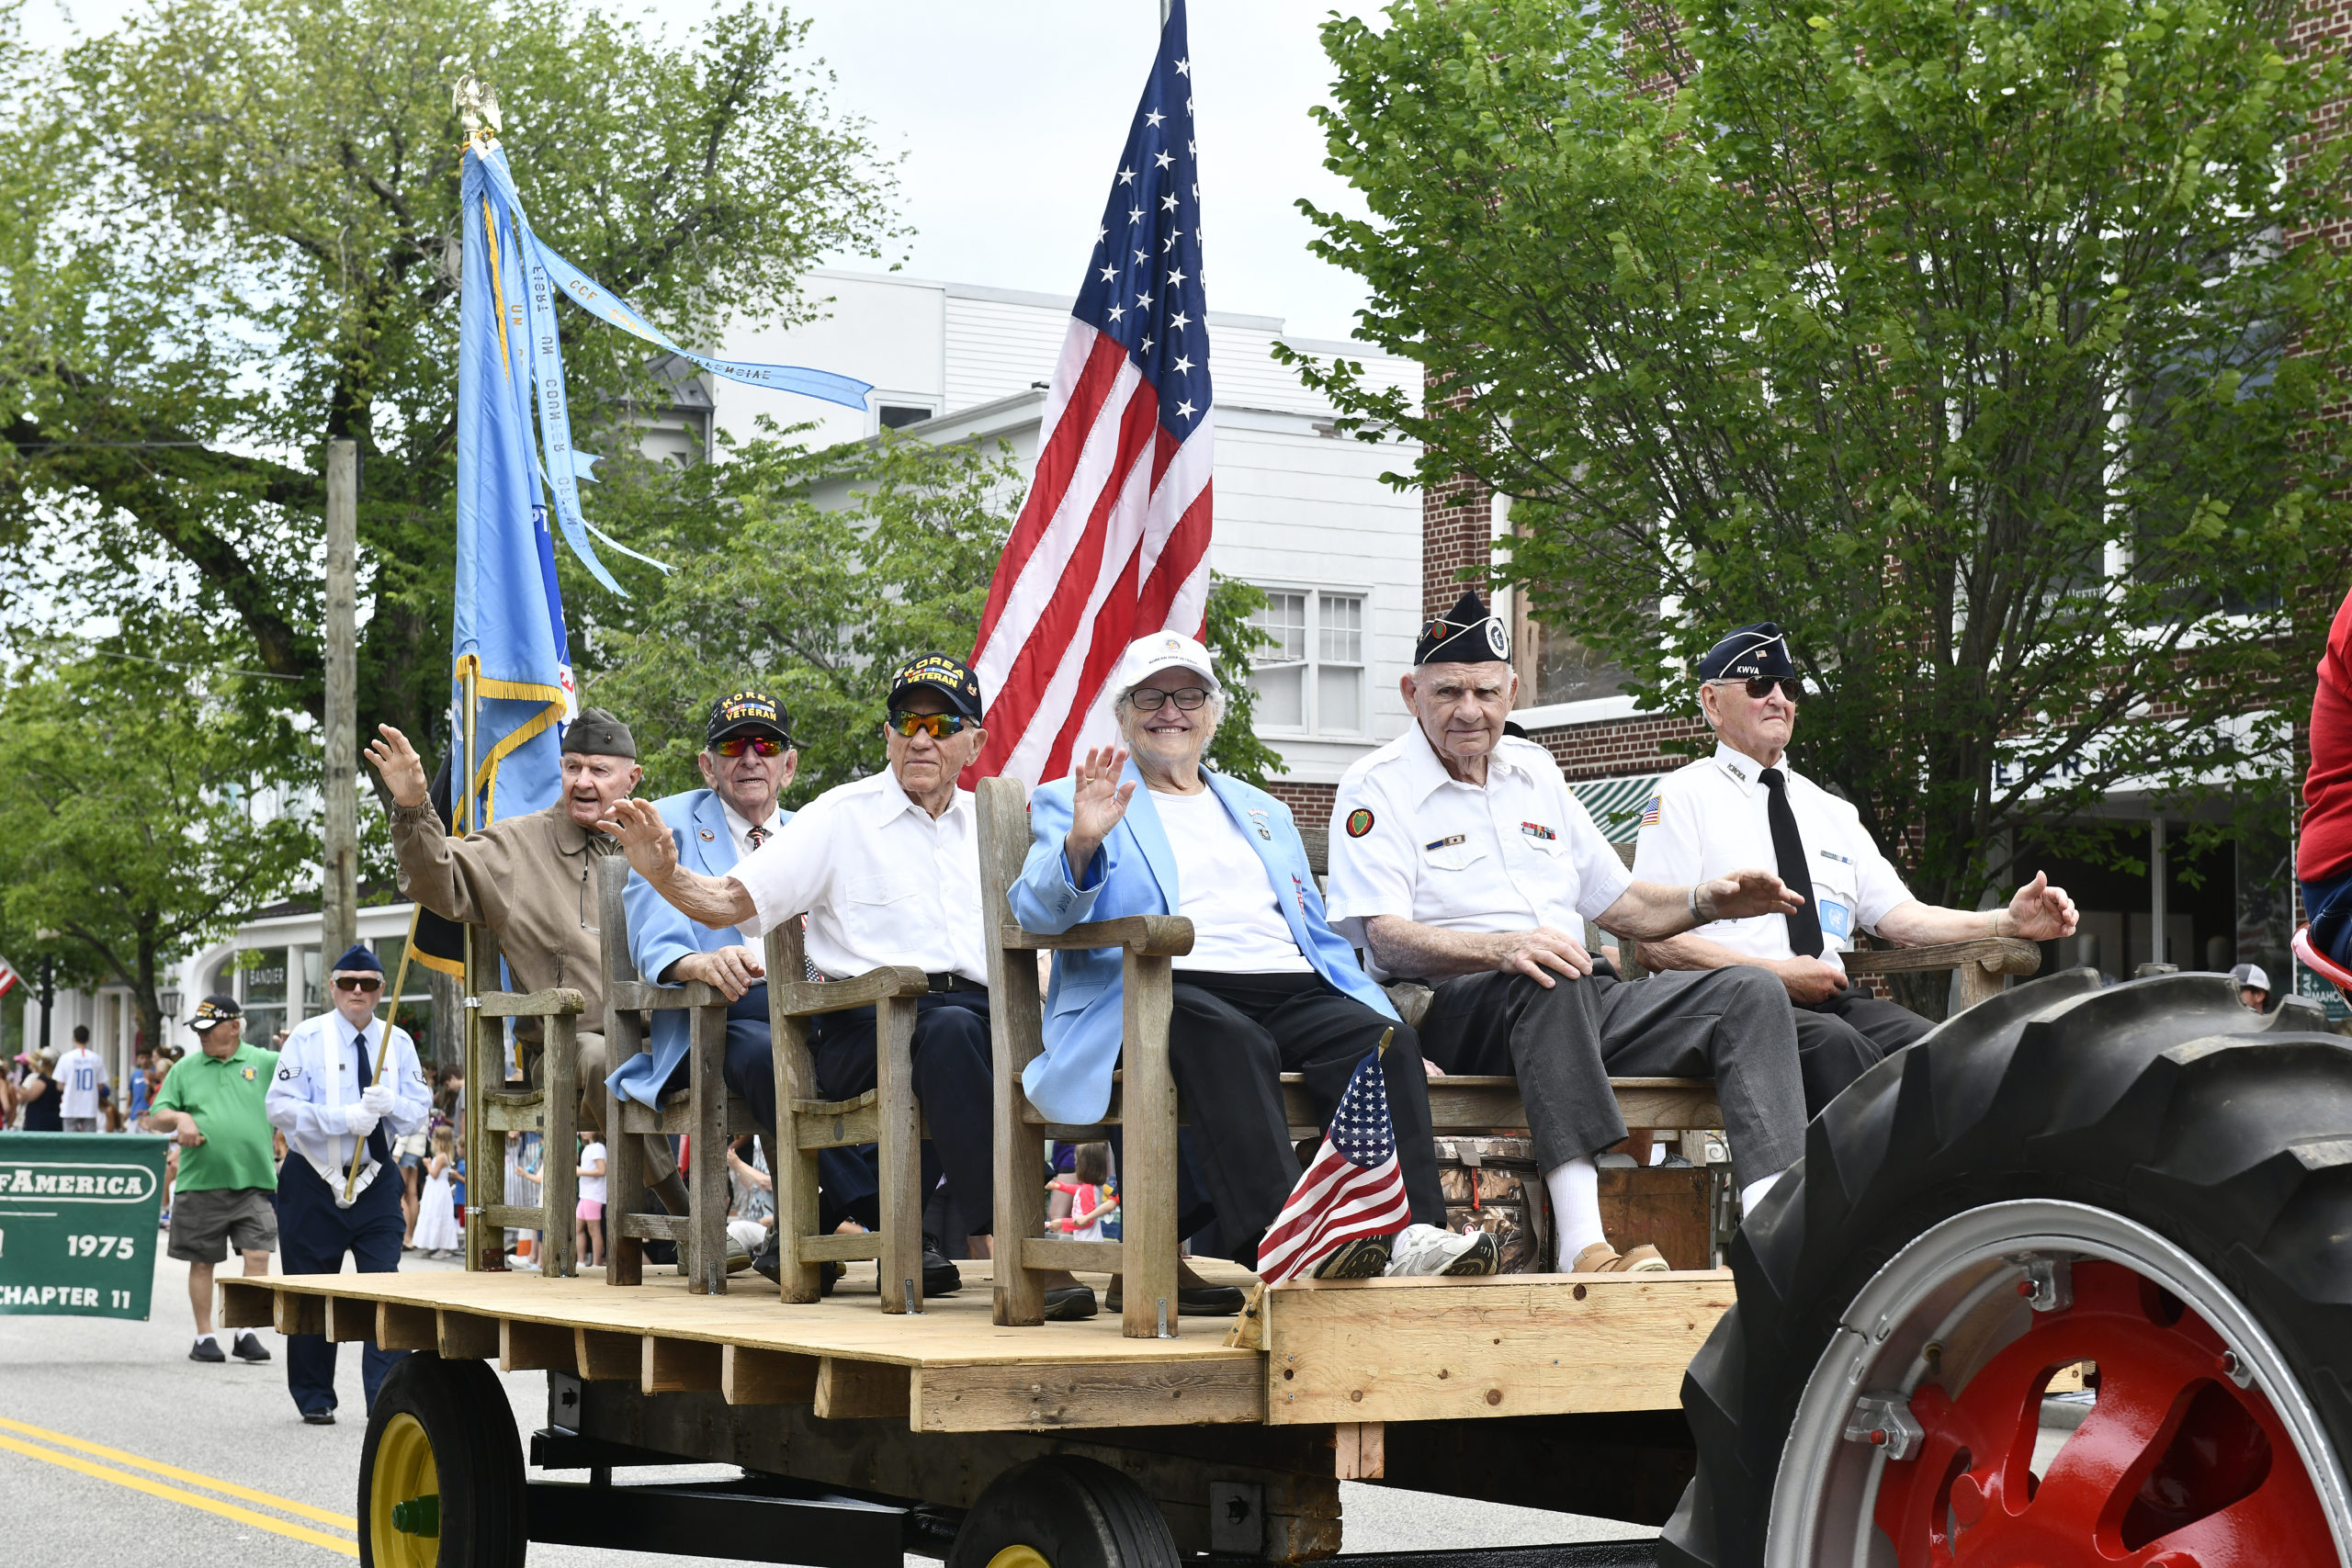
column 1460, row 858
column 888, row 870
column 1745, row 806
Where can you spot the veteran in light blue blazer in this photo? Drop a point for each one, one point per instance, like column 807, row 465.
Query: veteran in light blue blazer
column 747, row 762
column 1268, row 988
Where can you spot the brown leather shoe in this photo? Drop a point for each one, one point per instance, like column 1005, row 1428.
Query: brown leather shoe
column 1602, row 1259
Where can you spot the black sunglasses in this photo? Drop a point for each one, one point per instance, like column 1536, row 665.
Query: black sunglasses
column 1760, row 686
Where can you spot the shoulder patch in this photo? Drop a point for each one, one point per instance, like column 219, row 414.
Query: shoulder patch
column 1359, row 822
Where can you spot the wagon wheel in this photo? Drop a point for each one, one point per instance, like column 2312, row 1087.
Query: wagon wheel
column 2148, row 1177
column 441, row 1473
column 1063, row 1512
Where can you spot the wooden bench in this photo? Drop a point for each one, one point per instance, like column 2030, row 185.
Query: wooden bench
column 494, row 1108
column 705, row 1110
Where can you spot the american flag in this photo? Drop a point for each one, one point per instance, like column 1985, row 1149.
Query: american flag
column 1354, row 1189
column 1112, row 541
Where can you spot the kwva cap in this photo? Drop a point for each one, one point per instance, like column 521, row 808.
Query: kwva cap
column 1468, row 633
column 1749, row 651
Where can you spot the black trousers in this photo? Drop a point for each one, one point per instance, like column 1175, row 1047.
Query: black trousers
column 312, row 1236
column 845, row 1185
column 1564, row 1042
column 954, row 1084
column 1231, row 1037
column 1842, row 1038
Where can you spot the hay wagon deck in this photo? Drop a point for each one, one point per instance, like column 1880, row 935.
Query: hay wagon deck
column 1486, row 1387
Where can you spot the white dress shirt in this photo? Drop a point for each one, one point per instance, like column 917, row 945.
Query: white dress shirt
column 1711, row 818
column 1409, row 840
column 741, row 831
column 881, row 880
column 318, row 1075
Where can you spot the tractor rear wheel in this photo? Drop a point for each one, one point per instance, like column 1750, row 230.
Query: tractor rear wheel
column 2145, row 1177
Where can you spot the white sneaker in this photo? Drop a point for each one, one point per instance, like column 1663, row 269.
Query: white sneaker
column 1429, row 1250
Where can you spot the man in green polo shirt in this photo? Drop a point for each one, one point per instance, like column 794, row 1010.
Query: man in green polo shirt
column 228, row 1180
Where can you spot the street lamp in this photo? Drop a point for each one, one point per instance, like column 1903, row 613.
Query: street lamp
column 47, row 939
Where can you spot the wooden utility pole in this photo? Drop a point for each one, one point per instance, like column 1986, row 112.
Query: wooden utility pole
column 339, row 903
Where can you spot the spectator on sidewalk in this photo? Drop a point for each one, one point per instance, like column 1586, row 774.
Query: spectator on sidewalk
column 39, row 1095
column 214, row 1103
column 81, row 1082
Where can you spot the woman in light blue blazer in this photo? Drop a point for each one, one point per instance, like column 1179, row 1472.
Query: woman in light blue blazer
column 1268, row 987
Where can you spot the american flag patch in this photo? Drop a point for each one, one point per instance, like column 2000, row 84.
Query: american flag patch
column 1649, row 811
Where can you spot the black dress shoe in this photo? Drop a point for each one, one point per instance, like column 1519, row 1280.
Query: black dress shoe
column 205, row 1350
column 1191, row 1300
column 1069, row 1303
column 769, row 1265
column 249, row 1348
column 318, row 1417
column 940, row 1277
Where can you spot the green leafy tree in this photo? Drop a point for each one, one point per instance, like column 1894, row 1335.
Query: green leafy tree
column 815, row 574
column 256, row 250
column 141, row 813
column 1982, row 347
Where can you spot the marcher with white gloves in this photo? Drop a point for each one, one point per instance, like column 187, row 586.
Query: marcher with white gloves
column 329, row 1098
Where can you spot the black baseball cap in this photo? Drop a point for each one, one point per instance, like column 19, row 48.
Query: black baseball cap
column 951, row 678
column 747, row 713
column 216, row 1008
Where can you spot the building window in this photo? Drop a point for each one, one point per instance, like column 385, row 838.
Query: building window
column 1311, row 679
column 263, row 994
column 898, row 416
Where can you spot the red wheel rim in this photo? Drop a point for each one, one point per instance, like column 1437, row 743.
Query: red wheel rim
column 2174, row 1467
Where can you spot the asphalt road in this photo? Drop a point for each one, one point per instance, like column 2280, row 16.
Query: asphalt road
column 130, row 1388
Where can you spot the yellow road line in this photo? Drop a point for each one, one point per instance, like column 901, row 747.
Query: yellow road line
column 174, row 1494
column 212, row 1484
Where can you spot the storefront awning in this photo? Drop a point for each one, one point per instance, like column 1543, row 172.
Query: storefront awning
column 1616, row 805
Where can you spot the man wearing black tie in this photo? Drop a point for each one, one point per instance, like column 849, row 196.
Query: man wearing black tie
column 327, row 1098
column 1745, row 806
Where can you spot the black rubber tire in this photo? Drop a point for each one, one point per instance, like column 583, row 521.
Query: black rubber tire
column 2161, row 1100
column 1073, row 1512
column 476, row 1460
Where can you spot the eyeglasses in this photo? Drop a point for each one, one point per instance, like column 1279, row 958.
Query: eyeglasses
column 1761, row 686
column 938, row 725
column 358, row 982
column 1151, row 699
column 760, row 745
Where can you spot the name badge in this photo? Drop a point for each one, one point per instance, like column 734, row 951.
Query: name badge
column 1446, row 843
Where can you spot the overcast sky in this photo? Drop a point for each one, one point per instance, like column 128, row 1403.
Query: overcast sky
column 1011, row 113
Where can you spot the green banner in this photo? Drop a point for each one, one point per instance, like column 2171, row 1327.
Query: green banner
column 78, row 1214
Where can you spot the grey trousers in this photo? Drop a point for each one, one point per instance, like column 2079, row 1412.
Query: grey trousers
column 1565, row 1044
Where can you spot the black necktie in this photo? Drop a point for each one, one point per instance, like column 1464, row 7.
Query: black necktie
column 1804, row 925
column 378, row 1146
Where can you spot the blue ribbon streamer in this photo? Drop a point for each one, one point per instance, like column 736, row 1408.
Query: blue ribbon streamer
column 561, row 468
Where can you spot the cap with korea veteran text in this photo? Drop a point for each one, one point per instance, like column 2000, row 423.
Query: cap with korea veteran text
column 216, row 1008
column 951, row 678
column 747, row 713
column 1761, row 649
column 1148, row 656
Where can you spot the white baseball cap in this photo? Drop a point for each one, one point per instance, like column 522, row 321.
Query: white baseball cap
column 1148, row 656
column 2250, row 974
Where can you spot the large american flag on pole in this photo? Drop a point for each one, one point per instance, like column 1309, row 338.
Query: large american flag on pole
column 1354, row 1189
column 1112, row 541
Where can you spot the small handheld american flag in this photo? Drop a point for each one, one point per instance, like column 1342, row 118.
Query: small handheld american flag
column 1355, row 1189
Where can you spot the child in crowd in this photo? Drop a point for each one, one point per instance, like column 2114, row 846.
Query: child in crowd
column 591, row 1208
column 1077, row 1208
column 437, row 1235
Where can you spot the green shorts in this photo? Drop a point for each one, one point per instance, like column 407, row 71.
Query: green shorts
column 205, row 1222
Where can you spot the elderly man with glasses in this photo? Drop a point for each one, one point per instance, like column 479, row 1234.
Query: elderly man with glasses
column 1746, row 804
column 747, row 763
column 888, row 870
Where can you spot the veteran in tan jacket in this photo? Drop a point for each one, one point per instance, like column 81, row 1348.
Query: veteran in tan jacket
column 532, row 881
